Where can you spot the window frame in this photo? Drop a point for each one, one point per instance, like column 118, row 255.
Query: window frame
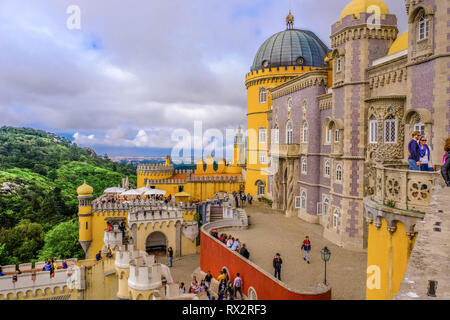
column 335, row 218
column 289, row 133
column 391, row 123
column 339, row 173
column 304, row 165
column 423, row 28
column 262, row 155
column 262, row 131
column 305, row 130
column 327, row 169
column 336, row 136
column 262, row 95
column 303, row 200
column 420, row 127
column 373, row 130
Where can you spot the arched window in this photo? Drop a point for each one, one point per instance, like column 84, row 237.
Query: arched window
column 327, row 168
column 336, row 135
column 373, row 130
column 390, row 129
column 326, row 204
column 261, row 188
column 420, row 127
column 327, row 135
column 305, row 132
column 303, row 200
column 289, row 133
column 263, row 95
column 304, row 166
column 338, row 172
column 335, row 218
column 423, row 28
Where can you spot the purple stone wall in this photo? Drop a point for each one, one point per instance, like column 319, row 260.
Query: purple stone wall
column 352, row 223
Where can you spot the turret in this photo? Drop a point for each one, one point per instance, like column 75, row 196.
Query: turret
column 85, row 193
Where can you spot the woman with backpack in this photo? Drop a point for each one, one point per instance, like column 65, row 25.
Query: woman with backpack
column 445, row 171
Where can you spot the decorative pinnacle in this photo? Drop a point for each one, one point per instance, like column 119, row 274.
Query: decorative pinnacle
column 290, row 21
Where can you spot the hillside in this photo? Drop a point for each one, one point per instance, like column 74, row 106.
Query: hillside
column 39, row 174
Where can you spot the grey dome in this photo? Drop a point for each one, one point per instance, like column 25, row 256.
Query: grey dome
column 286, row 48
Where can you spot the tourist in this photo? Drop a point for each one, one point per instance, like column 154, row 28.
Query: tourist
column 229, row 296
column 249, row 198
column 277, row 261
column 109, row 254
column 1, row 272
column 237, row 284
column 64, row 264
column 445, row 171
column 236, row 199
column 235, row 245
column 244, row 252
column 225, row 239
column 98, row 257
column 55, row 264
column 243, row 198
column 208, row 278
column 227, row 277
column 170, row 253
column 109, row 227
column 194, row 285
column 221, row 289
column 425, row 156
column 182, row 288
column 230, row 289
column 222, row 276
column 47, row 265
column 204, row 288
column 52, row 270
column 122, row 228
column 306, row 246
column 414, row 152
column 230, row 242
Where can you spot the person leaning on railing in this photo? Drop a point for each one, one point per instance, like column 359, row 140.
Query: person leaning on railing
column 445, row 171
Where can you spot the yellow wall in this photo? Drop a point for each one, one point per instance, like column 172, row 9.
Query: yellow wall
column 99, row 286
column 390, row 253
column 98, row 230
column 42, row 294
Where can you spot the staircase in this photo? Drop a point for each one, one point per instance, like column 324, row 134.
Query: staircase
column 216, row 213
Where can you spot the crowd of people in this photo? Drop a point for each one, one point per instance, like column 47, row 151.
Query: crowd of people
column 241, row 198
column 231, row 243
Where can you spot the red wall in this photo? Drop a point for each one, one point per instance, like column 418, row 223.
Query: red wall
column 214, row 256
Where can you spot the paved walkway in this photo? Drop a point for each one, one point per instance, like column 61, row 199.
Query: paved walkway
column 271, row 232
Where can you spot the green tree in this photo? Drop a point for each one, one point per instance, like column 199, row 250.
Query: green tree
column 62, row 242
column 23, row 241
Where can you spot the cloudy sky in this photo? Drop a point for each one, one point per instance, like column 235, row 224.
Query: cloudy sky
column 138, row 70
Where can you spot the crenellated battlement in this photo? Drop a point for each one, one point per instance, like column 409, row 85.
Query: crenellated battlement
column 142, row 168
column 125, row 254
column 145, row 274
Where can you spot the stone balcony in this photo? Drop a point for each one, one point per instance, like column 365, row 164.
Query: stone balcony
column 403, row 189
column 285, row 150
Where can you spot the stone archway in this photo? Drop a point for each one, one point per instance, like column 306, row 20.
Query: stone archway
column 156, row 243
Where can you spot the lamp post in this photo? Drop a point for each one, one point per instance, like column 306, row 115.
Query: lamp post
column 325, row 257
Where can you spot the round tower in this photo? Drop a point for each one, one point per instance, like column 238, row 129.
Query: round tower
column 85, row 193
column 282, row 57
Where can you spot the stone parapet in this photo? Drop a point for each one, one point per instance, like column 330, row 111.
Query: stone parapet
column 402, row 189
column 34, row 281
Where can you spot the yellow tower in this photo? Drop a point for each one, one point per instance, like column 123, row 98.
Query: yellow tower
column 281, row 58
column 85, row 193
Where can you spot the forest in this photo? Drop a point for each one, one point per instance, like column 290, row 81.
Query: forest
column 39, row 175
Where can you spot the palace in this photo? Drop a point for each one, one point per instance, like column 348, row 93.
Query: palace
column 334, row 124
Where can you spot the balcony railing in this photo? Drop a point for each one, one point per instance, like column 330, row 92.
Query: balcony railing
column 285, row 150
column 401, row 188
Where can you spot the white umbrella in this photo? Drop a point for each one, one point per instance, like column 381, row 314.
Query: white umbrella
column 143, row 190
column 131, row 192
column 114, row 190
column 154, row 191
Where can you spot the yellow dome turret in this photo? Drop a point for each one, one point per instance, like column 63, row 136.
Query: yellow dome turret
column 357, row 6
column 85, row 190
column 400, row 44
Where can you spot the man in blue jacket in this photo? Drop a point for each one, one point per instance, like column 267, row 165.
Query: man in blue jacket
column 414, row 152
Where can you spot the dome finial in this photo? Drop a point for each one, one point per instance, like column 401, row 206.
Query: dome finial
column 290, row 21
